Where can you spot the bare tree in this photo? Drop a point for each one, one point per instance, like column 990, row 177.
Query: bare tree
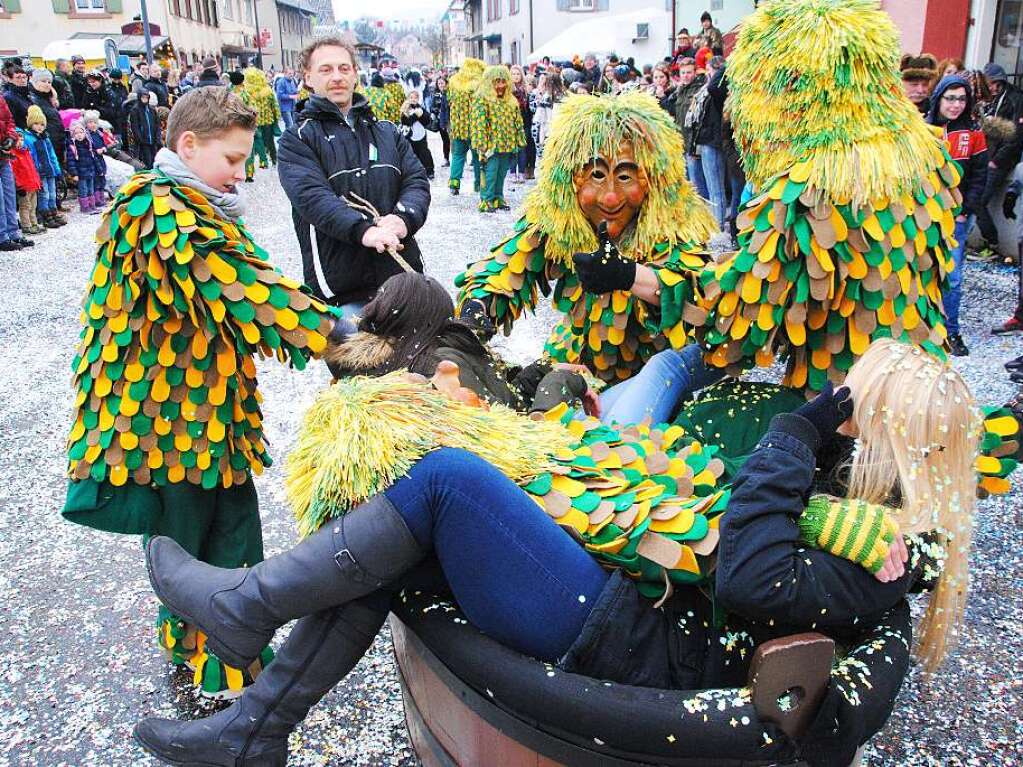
column 435, row 40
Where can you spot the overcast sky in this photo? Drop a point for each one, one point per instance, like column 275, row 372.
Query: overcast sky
column 388, row 9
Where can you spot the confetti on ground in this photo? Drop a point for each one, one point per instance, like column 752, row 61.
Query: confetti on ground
column 79, row 666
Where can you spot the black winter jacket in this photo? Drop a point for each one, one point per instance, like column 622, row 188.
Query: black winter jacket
column 18, row 99
column 321, row 159
column 79, row 86
column 98, row 99
column 158, row 88
column 683, row 99
column 1008, row 106
column 769, row 583
column 64, row 94
column 709, row 133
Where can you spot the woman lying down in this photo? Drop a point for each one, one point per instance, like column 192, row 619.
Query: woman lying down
column 522, row 580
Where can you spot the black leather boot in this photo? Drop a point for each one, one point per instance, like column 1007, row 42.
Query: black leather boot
column 253, row 732
column 240, row 609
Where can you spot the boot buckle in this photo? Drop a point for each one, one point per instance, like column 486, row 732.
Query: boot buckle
column 339, row 558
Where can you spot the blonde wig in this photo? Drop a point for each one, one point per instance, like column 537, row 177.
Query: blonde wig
column 919, row 430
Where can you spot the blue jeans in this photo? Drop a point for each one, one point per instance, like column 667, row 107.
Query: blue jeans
column 47, row 200
column 288, row 117
column 713, row 162
column 658, row 388
column 85, row 186
column 348, row 311
column 694, row 169
column 954, row 295
column 517, row 575
column 9, row 229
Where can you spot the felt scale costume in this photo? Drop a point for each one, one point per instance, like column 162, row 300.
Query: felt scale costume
column 613, row 334
column 496, row 134
column 167, row 427
column 847, row 222
column 386, row 100
column 461, row 88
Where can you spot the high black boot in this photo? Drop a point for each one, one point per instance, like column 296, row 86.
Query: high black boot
column 253, row 732
column 240, row 609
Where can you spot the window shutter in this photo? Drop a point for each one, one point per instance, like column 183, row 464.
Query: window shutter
column 114, row 6
column 61, row 6
column 12, row 6
column 563, row 5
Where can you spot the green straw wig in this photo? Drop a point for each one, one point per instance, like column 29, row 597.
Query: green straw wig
column 817, row 82
column 467, row 77
column 485, row 89
column 586, row 127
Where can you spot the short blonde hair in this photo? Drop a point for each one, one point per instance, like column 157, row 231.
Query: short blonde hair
column 325, row 42
column 208, row 112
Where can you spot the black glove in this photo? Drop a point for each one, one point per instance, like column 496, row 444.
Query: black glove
column 604, row 269
column 1009, row 204
column 827, row 411
column 474, row 314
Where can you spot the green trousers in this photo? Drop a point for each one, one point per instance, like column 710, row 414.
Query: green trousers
column 218, row 526
column 459, row 149
column 496, row 169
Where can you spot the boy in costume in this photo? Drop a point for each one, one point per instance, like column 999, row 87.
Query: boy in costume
column 167, row 428
column 616, row 162
column 461, row 88
column 497, row 134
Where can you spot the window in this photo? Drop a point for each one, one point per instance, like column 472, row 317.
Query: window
column 188, row 9
column 494, row 10
column 580, row 5
column 177, row 7
column 90, row 6
column 513, row 8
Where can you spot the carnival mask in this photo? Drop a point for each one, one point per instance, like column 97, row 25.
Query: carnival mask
column 612, row 189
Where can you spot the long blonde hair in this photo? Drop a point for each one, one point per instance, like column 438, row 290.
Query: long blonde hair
column 919, row 430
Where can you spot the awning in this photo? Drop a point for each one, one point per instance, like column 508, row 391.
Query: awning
column 137, row 43
column 237, row 49
column 492, row 38
column 89, row 45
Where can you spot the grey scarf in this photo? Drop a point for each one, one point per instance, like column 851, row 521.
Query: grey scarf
column 230, row 205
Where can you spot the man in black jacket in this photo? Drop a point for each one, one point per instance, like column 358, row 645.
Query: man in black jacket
column 77, row 81
column 62, row 84
column 335, row 157
column 1004, row 126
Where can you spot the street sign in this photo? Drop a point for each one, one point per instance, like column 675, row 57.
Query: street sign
column 266, row 39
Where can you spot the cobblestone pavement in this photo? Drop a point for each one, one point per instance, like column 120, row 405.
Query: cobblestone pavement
column 78, row 665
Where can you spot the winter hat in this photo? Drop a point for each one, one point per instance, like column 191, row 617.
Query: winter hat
column 922, row 67
column 90, row 115
column 995, row 73
column 35, row 115
column 42, row 75
column 209, row 63
column 76, row 124
column 116, row 74
column 702, row 57
column 236, row 78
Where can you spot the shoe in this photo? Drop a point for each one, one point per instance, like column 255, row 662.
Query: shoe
column 1014, row 364
column 429, row 176
column 98, row 201
column 37, row 228
column 501, row 204
column 50, row 221
column 445, row 164
column 1011, row 325
column 61, row 220
column 1016, row 376
column 24, row 242
column 957, row 346
column 988, row 251
column 249, row 180
column 8, row 245
column 239, row 610
column 85, row 204
column 253, row 732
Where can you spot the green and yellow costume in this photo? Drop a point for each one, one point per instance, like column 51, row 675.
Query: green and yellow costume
column 846, row 235
column 386, row 101
column 496, row 134
column 461, row 89
column 167, row 428
column 613, row 334
column 258, row 96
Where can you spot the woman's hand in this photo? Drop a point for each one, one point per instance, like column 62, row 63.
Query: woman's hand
column 895, row 564
column 828, row 410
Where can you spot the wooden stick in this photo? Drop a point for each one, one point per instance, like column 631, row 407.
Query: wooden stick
column 364, row 206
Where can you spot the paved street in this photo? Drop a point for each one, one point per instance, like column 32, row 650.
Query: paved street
column 78, row 663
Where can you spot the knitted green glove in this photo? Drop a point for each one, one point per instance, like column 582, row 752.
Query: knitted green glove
column 855, row 530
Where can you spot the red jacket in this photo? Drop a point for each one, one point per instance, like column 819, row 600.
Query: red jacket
column 6, row 126
column 26, row 177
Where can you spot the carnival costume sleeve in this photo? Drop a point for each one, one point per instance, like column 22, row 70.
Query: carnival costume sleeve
column 847, row 225
column 179, row 302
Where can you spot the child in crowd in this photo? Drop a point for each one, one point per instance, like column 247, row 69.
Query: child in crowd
column 27, row 184
column 144, row 128
column 83, row 166
column 47, row 165
column 416, row 120
column 91, row 119
column 168, row 430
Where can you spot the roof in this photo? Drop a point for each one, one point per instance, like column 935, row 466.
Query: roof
column 90, row 45
column 298, row 5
